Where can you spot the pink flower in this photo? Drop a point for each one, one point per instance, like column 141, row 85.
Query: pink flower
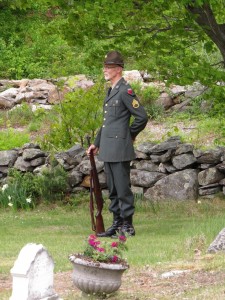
column 92, row 237
column 100, row 249
column 114, row 258
column 122, row 238
column 92, row 241
column 114, row 244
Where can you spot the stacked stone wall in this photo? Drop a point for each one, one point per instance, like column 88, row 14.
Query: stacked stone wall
column 168, row 170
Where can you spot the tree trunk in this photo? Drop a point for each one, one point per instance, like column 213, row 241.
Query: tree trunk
column 206, row 20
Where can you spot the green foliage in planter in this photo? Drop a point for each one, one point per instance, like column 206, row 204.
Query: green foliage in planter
column 11, row 138
column 80, row 113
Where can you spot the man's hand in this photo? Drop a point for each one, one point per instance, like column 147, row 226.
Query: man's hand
column 92, row 148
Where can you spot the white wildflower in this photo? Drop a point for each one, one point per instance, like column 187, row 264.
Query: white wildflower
column 9, row 197
column 4, row 187
column 10, row 204
column 28, row 200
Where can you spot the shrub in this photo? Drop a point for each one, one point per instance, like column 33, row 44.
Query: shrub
column 18, row 192
column 148, row 96
column 80, row 113
column 20, row 115
column 25, row 190
column 51, row 184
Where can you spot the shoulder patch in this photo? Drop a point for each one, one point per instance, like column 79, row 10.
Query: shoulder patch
column 135, row 103
column 129, row 91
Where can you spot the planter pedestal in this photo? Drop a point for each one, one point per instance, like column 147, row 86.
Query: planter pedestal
column 96, row 278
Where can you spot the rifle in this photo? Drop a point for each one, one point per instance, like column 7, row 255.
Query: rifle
column 97, row 222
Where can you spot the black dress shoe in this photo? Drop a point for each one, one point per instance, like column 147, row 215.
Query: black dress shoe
column 127, row 229
column 112, row 230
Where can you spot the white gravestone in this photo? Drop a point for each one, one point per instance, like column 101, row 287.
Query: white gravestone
column 218, row 244
column 33, row 274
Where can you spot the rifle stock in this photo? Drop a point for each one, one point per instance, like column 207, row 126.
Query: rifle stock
column 98, row 223
column 92, row 205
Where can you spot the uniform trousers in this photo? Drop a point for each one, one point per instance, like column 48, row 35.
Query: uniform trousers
column 120, row 194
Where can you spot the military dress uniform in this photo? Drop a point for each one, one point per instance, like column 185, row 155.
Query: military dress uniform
column 115, row 142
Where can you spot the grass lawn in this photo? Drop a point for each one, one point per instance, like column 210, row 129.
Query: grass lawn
column 170, row 235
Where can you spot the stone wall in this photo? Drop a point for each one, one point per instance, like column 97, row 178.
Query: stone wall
column 169, row 170
column 44, row 93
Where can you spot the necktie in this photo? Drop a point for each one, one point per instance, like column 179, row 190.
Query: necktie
column 109, row 91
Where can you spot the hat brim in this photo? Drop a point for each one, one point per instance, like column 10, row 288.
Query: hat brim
column 114, row 63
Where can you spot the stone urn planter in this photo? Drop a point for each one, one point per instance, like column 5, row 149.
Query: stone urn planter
column 96, row 277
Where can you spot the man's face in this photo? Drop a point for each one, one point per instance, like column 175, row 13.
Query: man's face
column 111, row 71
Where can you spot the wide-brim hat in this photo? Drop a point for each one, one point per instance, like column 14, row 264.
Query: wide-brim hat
column 114, row 58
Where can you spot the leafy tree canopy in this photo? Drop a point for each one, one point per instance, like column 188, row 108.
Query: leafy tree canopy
column 180, row 41
column 163, row 36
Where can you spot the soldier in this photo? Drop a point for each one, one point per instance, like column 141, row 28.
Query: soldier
column 114, row 142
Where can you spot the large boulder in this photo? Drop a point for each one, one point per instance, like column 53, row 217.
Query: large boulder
column 147, row 165
column 184, row 148
column 132, row 76
column 183, row 161
column 145, row 147
column 8, row 98
column 165, row 100
column 23, row 165
column 74, row 178
column 210, row 176
column 144, row 178
column 85, row 166
column 182, row 185
column 8, row 157
column 170, row 144
column 209, row 156
column 30, row 154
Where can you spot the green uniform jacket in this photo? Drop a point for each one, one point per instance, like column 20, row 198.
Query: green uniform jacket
column 115, row 137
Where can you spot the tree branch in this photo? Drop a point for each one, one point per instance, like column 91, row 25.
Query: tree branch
column 206, row 20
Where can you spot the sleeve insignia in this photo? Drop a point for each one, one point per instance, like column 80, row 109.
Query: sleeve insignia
column 129, row 91
column 135, row 103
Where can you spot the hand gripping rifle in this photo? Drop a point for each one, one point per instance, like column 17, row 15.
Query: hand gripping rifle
column 97, row 222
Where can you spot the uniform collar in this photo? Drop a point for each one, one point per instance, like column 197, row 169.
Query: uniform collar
column 119, row 82
column 115, row 90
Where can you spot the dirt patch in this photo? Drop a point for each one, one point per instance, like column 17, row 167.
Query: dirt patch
column 159, row 132
column 141, row 284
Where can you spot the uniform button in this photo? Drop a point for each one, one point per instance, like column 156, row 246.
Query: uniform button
column 105, row 111
column 106, row 104
column 104, row 119
column 116, row 136
column 103, row 126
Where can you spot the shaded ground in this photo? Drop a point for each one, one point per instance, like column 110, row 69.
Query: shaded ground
column 156, row 131
column 145, row 283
